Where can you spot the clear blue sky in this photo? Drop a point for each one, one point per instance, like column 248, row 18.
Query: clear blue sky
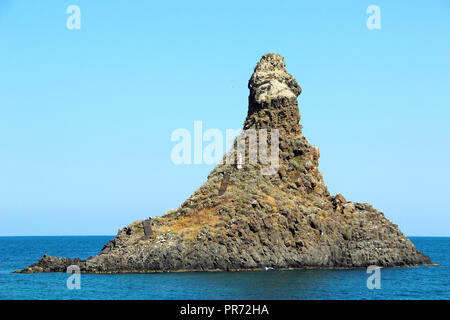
column 86, row 115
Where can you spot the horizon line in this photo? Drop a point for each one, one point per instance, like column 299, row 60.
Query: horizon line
column 113, row 235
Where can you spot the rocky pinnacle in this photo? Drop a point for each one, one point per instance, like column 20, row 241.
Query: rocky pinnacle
column 272, row 102
column 241, row 219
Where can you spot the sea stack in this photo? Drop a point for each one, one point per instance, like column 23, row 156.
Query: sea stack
column 247, row 217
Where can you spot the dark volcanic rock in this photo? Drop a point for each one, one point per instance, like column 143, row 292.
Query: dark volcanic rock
column 242, row 219
column 147, row 225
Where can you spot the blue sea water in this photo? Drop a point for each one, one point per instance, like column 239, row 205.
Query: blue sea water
column 427, row 282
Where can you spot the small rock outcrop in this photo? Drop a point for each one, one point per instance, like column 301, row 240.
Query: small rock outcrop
column 245, row 218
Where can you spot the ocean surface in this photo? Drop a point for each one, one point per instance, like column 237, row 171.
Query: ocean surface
column 428, row 282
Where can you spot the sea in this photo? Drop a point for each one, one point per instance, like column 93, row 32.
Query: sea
column 424, row 282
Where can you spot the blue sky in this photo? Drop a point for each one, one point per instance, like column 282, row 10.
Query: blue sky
column 86, row 115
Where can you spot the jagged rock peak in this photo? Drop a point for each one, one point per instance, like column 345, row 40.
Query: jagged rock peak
column 270, row 80
column 273, row 96
column 241, row 218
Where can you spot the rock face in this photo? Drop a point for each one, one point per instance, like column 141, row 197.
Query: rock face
column 241, row 218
